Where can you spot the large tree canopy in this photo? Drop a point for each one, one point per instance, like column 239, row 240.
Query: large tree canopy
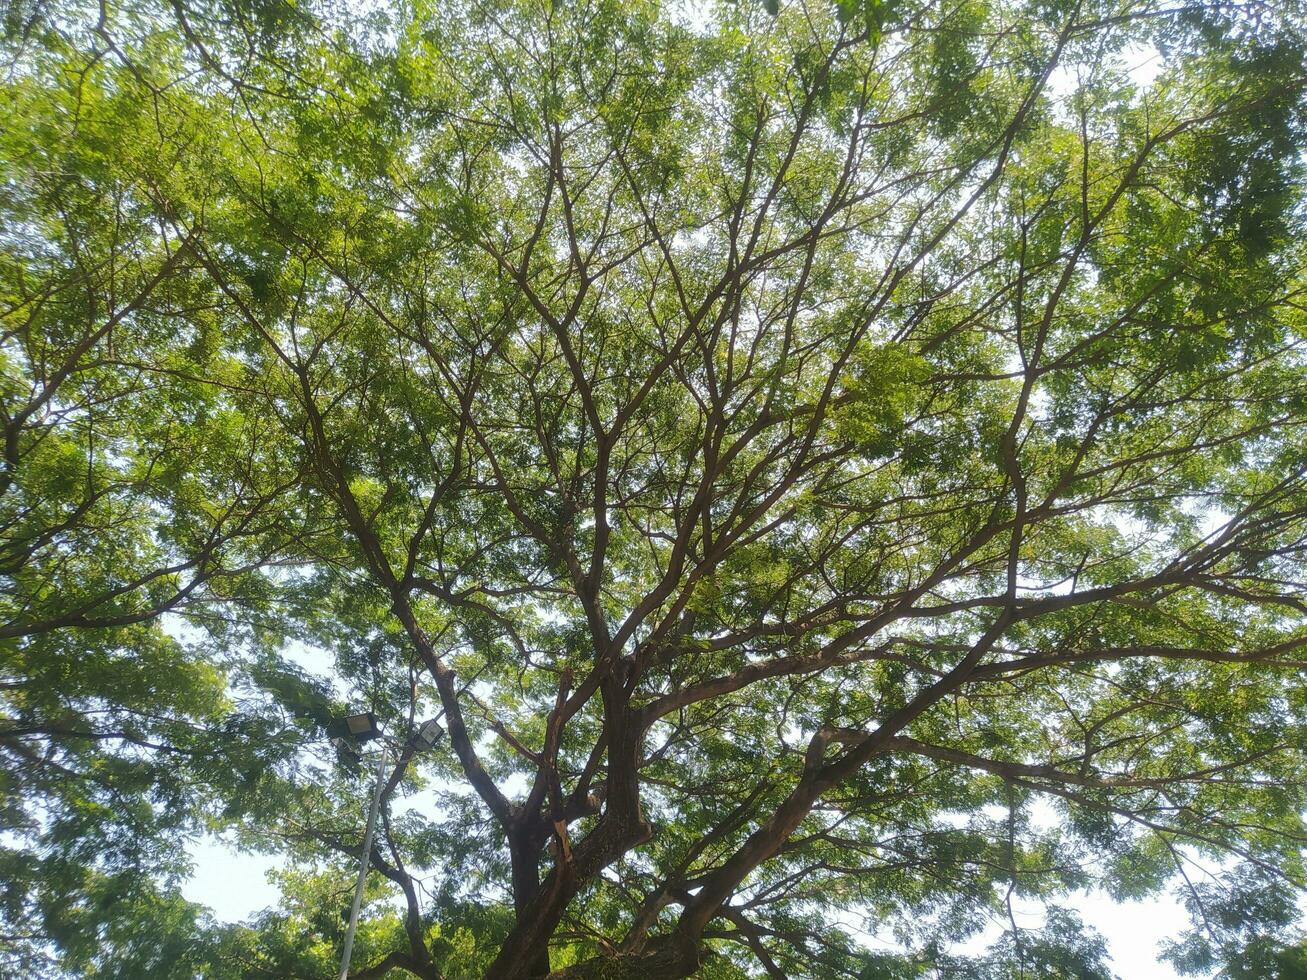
column 836, row 469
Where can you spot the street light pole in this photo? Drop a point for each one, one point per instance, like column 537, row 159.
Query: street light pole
column 364, row 860
column 362, row 728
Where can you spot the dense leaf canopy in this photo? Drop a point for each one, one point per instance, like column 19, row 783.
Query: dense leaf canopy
column 836, row 469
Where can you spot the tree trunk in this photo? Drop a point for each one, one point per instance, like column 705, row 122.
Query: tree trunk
column 524, row 853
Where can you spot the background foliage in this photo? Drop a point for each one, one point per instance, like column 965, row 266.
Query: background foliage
column 836, row 470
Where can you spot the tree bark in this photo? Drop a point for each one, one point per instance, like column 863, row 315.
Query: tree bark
column 524, row 853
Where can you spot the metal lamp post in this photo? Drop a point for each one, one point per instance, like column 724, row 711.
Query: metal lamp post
column 363, row 728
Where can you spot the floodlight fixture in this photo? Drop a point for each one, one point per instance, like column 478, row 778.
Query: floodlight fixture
column 428, row 735
column 363, row 727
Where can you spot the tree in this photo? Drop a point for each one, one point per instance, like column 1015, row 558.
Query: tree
column 832, row 469
column 108, row 719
